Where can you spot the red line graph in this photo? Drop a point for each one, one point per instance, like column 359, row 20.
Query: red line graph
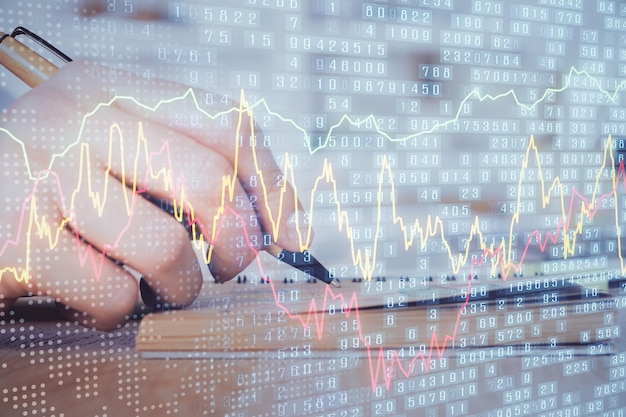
column 315, row 317
column 31, row 226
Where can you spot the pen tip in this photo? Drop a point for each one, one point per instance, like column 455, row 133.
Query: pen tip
column 335, row 283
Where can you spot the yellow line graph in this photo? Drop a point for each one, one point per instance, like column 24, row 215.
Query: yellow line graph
column 414, row 231
column 262, row 103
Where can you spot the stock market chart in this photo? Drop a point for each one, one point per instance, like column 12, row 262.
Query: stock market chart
column 182, row 186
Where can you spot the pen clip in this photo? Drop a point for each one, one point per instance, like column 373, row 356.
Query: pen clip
column 20, row 30
column 27, row 64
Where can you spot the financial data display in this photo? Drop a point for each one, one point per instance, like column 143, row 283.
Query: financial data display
column 456, row 165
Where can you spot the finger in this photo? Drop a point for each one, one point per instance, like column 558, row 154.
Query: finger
column 231, row 132
column 221, row 125
column 128, row 228
column 175, row 172
column 97, row 292
column 228, row 131
column 40, row 256
column 278, row 205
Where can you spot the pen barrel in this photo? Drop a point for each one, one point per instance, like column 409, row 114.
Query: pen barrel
column 274, row 250
column 25, row 63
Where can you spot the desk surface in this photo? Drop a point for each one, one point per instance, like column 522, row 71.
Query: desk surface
column 51, row 367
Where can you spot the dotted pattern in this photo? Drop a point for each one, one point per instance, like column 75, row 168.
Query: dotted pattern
column 51, row 365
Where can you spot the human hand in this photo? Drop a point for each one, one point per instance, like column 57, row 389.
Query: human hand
column 86, row 176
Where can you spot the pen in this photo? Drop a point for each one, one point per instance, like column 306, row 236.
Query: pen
column 305, row 262
column 25, row 63
column 34, row 69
